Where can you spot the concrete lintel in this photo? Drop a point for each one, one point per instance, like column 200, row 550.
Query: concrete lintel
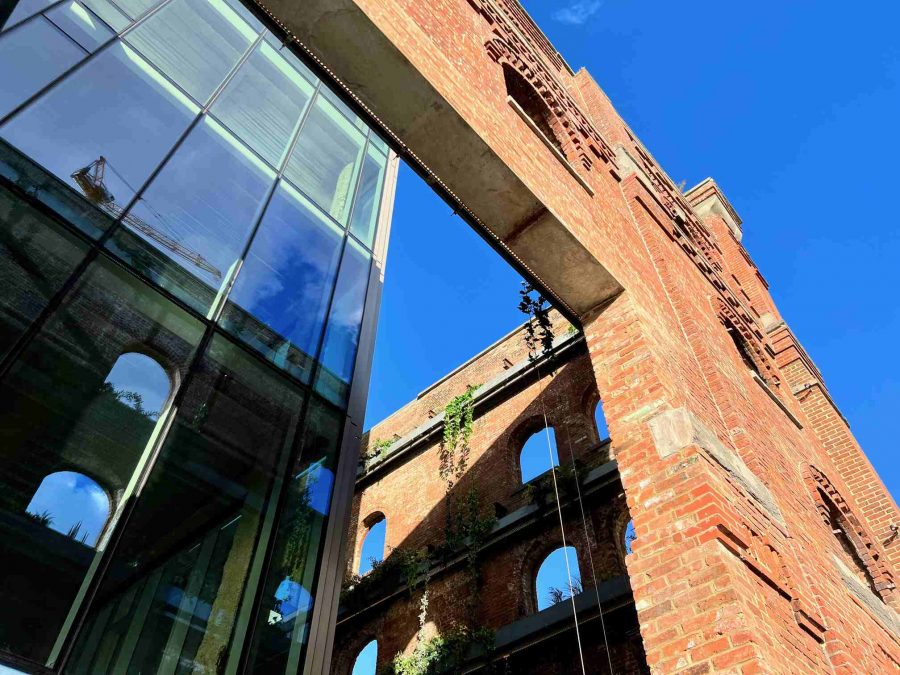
column 436, row 136
column 677, row 429
column 864, row 594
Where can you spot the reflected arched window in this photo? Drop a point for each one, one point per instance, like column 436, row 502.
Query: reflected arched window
column 72, row 504
column 373, row 545
column 629, row 537
column 367, row 659
column 139, row 382
column 600, row 421
column 536, row 457
column 558, row 577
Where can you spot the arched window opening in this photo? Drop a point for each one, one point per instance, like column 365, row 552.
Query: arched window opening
column 840, row 527
column 72, row 504
column 558, row 578
column 373, row 545
column 531, row 103
column 535, row 457
column 140, row 383
column 741, row 345
column 629, row 537
column 600, row 421
column 366, row 661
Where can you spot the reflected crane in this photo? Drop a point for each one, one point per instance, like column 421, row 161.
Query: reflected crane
column 90, row 180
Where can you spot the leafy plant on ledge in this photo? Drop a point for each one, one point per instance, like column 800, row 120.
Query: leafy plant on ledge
column 377, row 451
column 458, row 417
column 444, row 653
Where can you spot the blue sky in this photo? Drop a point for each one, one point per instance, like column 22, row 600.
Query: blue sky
column 790, row 106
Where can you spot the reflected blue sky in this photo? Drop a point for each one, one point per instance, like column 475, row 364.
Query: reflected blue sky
column 72, row 499
column 141, row 375
column 536, row 455
column 553, row 574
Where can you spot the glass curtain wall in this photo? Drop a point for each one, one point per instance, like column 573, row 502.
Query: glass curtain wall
column 187, row 224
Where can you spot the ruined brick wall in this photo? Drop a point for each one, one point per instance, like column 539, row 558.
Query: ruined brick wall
column 734, row 567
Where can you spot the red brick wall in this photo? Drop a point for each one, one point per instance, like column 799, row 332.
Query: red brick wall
column 721, row 583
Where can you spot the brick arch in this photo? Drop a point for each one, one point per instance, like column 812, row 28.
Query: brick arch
column 578, row 138
column 345, row 658
column 827, row 497
column 525, row 430
column 365, row 524
column 535, row 555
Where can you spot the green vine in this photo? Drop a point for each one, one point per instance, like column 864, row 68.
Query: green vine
column 444, row 652
column 458, row 416
column 377, row 451
column 469, row 528
column 539, row 328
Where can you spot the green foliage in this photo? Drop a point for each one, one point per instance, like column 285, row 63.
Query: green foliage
column 444, row 652
column 75, row 531
column 377, row 451
column 44, row 518
column 300, row 524
column 414, row 566
column 558, row 595
column 468, row 527
column 539, row 328
column 132, row 399
column 458, row 418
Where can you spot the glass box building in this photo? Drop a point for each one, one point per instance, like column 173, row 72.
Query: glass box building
column 192, row 227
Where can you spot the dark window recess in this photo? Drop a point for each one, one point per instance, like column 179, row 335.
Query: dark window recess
column 742, row 349
column 849, row 552
column 518, row 88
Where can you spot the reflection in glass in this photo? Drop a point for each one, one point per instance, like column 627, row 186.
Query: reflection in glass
column 175, row 585
column 94, row 115
column 65, row 406
column 344, row 320
column 36, row 257
column 136, row 8
column 279, row 300
column 558, row 578
column 40, row 54
column 24, row 9
column 109, row 13
column 72, row 504
column 282, row 625
column 195, row 42
column 536, row 457
column 263, row 102
column 80, row 25
column 190, row 226
column 368, row 197
column 326, row 158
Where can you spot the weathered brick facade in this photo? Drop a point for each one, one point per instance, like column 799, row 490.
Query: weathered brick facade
column 765, row 541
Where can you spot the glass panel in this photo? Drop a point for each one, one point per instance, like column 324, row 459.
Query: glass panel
column 282, row 624
column 109, row 13
column 195, row 42
column 180, row 567
column 83, row 130
column 190, row 226
column 40, row 54
column 72, row 504
column 263, row 103
column 79, row 24
column 24, row 9
column 342, row 335
column 326, row 159
column 36, row 258
column 345, row 109
column 378, row 142
column 66, row 406
column 279, row 300
column 368, row 197
column 135, row 8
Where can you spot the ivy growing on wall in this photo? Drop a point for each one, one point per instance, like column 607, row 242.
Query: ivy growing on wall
column 539, row 328
column 458, row 416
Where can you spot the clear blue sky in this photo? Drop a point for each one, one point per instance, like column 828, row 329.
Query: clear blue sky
column 791, row 106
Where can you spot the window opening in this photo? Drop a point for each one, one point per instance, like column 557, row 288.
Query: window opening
column 553, row 583
column 534, row 459
column 373, row 546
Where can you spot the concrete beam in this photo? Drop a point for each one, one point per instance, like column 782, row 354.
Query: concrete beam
column 440, row 139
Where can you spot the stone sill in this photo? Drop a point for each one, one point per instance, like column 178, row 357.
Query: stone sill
column 772, row 395
column 540, row 134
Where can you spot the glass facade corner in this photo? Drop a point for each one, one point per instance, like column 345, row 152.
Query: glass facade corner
column 188, row 225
